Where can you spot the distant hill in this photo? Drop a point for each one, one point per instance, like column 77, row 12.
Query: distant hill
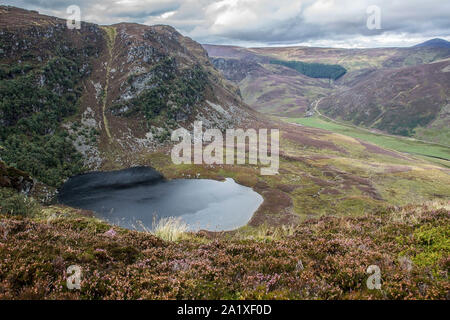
column 409, row 101
column 270, row 88
column 434, row 43
column 397, row 90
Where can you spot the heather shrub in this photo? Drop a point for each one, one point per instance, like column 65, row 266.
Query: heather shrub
column 435, row 243
column 265, row 232
column 323, row 258
column 14, row 203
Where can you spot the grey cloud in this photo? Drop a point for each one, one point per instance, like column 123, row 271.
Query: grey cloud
column 269, row 21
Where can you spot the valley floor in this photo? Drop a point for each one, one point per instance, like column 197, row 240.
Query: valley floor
column 429, row 151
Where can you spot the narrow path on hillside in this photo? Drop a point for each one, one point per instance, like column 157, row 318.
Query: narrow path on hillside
column 111, row 40
column 316, row 109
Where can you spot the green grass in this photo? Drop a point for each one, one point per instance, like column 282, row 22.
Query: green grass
column 426, row 150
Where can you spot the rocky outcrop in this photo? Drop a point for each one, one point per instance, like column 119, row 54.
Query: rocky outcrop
column 236, row 70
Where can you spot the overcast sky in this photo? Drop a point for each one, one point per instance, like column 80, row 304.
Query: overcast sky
column 335, row 23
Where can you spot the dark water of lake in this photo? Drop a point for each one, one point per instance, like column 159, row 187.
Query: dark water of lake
column 135, row 197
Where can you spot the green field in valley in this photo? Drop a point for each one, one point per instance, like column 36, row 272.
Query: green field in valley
column 433, row 152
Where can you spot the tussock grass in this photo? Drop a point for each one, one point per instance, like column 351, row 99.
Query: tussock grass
column 265, row 233
column 413, row 214
column 170, row 229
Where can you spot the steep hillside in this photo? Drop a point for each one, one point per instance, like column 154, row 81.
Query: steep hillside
column 410, row 101
column 43, row 66
column 380, row 85
column 267, row 87
column 83, row 99
column 270, row 88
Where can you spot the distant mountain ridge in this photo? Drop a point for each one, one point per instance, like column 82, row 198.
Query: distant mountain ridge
column 434, row 43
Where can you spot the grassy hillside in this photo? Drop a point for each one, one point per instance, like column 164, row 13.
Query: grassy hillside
column 272, row 88
column 398, row 101
column 406, row 145
column 279, row 91
column 324, row 173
